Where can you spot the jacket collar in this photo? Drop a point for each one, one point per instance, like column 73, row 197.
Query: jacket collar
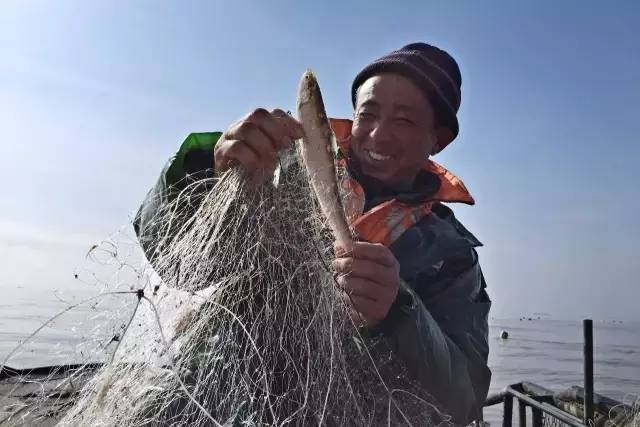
column 451, row 188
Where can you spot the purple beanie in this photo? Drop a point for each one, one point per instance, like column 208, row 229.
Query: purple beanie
column 433, row 70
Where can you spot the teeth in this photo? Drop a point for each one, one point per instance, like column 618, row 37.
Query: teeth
column 378, row 156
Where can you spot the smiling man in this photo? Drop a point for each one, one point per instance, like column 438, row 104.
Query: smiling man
column 414, row 276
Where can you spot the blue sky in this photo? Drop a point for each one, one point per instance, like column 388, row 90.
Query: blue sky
column 95, row 96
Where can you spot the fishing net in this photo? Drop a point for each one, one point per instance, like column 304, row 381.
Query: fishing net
column 635, row 419
column 236, row 322
column 627, row 414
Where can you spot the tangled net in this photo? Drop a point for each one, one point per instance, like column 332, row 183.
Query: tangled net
column 245, row 326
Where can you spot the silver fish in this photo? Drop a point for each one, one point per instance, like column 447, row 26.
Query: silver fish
column 317, row 155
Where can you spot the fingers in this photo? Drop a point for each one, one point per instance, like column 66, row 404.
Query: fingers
column 367, row 289
column 262, row 130
column 369, row 275
column 231, row 152
column 356, row 317
column 365, row 269
column 365, row 311
column 292, row 128
column 254, row 136
column 277, row 125
column 372, row 312
column 253, row 142
column 375, row 252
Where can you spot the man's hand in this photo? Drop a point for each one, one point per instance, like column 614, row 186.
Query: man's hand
column 370, row 276
column 254, row 141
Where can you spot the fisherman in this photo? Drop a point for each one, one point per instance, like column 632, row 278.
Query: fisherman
column 413, row 276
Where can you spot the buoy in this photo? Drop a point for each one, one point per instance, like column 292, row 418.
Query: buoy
column 504, row 335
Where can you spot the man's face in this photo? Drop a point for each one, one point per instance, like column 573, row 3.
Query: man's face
column 393, row 129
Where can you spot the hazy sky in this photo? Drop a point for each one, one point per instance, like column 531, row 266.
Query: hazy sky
column 95, row 96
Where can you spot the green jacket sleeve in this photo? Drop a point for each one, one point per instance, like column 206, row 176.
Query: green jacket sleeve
column 192, row 162
column 443, row 340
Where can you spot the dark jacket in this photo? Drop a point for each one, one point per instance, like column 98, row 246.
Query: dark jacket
column 438, row 325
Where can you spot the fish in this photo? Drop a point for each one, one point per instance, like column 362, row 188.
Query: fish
column 317, row 155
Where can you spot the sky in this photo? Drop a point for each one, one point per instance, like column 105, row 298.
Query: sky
column 95, row 97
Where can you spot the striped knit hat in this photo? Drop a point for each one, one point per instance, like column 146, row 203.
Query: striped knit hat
column 433, row 70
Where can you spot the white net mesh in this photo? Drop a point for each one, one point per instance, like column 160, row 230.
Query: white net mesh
column 238, row 323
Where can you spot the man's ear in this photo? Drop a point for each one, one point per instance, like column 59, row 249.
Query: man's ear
column 443, row 136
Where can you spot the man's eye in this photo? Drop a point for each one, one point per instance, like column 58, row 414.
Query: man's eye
column 404, row 121
column 364, row 115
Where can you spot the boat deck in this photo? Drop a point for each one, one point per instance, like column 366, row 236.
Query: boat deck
column 40, row 396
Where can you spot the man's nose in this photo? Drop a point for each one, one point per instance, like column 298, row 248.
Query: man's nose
column 380, row 133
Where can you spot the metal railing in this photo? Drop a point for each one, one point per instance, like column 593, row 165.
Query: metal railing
column 574, row 407
column 538, row 399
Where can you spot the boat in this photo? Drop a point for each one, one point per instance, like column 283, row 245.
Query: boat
column 41, row 396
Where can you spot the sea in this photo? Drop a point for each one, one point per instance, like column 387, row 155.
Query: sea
column 544, row 351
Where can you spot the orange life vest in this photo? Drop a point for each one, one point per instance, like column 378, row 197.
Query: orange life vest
column 387, row 221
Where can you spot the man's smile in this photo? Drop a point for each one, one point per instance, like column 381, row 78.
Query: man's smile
column 376, row 156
